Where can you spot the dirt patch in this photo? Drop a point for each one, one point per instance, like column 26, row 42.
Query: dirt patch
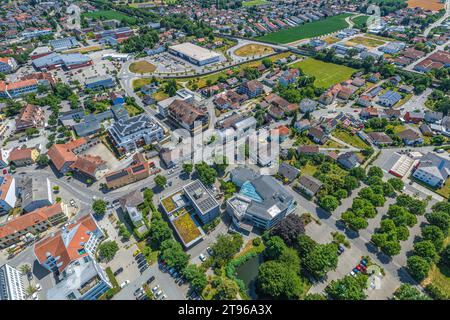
column 250, row 50
column 142, row 67
column 434, row 5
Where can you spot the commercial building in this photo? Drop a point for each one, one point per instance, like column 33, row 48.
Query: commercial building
column 36, row 33
column 181, row 207
column 35, row 193
column 18, row 88
column 262, row 201
column 195, row 54
column 7, row 65
column 64, row 43
column 37, row 221
column 66, row 61
column 432, row 169
column 138, row 170
column 130, row 134
column 99, row 82
column 23, row 156
column 7, row 193
column 69, row 254
column 11, row 284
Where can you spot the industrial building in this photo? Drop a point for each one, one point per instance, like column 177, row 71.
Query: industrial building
column 194, row 54
column 67, row 61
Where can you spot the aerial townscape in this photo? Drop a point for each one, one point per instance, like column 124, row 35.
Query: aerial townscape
column 224, row 150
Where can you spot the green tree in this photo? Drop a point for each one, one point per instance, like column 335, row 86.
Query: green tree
column 99, row 207
column 396, row 183
column 426, row 250
column 418, row 267
column 206, row 173
column 321, row 259
column 315, row 296
column 196, row 277
column 107, row 250
column 348, row 288
column 440, row 220
column 305, row 245
column 375, row 172
column 328, row 203
column 408, row 292
column 226, row 289
column 172, row 252
column 187, row 167
column 42, row 160
column 435, row 235
column 274, row 248
column 159, row 231
column 160, row 180
column 277, row 281
column 225, row 247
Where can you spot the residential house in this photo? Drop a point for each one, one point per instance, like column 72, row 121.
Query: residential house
column 31, row 116
column 188, row 116
column 308, row 185
column 433, row 169
column 348, row 160
column 410, row 137
column 129, row 204
column 317, row 135
column 288, row 172
column 433, row 116
column 390, row 98
column 8, row 65
column 302, row 125
column 7, row 194
column 23, row 157
column 380, row 138
column 288, row 77
column 138, row 170
column 308, row 105
column 34, row 222
column 252, row 88
column 414, row 117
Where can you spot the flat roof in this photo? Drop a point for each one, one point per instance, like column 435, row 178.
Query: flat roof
column 193, row 51
column 200, row 196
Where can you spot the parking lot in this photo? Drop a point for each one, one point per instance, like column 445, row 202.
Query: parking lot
column 102, row 151
column 167, row 63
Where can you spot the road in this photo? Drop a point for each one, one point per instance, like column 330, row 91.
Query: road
column 439, row 21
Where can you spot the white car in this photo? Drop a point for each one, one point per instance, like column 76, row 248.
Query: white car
column 72, row 202
column 155, row 288
column 124, row 284
column 202, row 257
column 38, row 287
column 164, row 297
column 35, row 296
column 158, row 293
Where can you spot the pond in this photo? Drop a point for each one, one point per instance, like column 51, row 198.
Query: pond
column 248, row 272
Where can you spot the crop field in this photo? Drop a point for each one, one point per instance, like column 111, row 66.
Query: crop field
column 434, row 5
column 108, row 15
column 252, row 3
column 250, row 50
column 308, row 30
column 142, row 67
column 326, row 74
column 368, row 42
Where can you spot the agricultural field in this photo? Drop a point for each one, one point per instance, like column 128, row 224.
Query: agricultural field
column 108, row 15
column 368, row 42
column 252, row 3
column 308, row 30
column 327, row 74
column 250, row 50
column 142, row 67
column 434, row 5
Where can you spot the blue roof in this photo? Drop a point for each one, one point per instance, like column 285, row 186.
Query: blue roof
column 249, row 190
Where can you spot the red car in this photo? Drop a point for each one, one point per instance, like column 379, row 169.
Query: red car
column 359, row 267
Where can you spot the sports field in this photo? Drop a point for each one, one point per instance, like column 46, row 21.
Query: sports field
column 327, row 74
column 108, row 15
column 308, row 30
column 434, row 5
column 142, row 67
column 250, row 50
column 251, row 3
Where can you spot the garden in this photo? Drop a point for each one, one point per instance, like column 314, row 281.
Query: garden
column 186, row 227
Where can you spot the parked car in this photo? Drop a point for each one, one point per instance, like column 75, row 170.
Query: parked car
column 150, row 280
column 210, row 251
column 143, row 268
column 157, row 294
column 202, row 257
column 163, row 297
column 155, row 288
column 72, row 202
column 136, row 253
column 35, row 296
column 124, row 284
column 118, row 271
column 138, row 291
column 38, row 287
column 341, row 249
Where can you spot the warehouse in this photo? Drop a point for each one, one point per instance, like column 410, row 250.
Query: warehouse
column 67, row 61
column 194, row 54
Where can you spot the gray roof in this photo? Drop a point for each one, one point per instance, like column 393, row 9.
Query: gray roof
column 275, row 198
column 310, row 183
column 86, row 128
column 435, row 165
column 132, row 199
column 135, row 124
column 34, row 189
column 201, row 198
column 288, row 171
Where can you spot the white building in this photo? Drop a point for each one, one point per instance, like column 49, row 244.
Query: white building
column 11, row 284
column 195, row 54
column 7, row 194
column 433, row 170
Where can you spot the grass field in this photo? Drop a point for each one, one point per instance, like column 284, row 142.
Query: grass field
column 445, row 190
column 250, row 50
column 108, row 15
column 347, row 137
column 360, row 22
column 252, row 3
column 327, row 74
column 142, row 67
column 368, row 42
column 434, row 5
column 308, row 30
column 84, row 49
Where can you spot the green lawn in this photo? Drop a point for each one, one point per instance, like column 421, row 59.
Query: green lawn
column 308, row 30
column 110, row 14
column 327, row 74
column 360, row 22
column 251, row 3
column 347, row 137
column 445, row 190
